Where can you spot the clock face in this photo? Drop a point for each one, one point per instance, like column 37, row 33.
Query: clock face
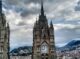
column 44, row 48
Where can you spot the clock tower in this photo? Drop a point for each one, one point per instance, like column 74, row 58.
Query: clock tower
column 43, row 38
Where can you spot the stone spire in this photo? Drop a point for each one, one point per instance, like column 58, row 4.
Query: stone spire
column 42, row 9
column 0, row 6
column 8, row 27
column 51, row 25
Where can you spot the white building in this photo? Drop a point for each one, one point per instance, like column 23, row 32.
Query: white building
column 20, row 57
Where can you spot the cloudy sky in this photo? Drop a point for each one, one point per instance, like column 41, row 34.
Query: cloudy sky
column 22, row 14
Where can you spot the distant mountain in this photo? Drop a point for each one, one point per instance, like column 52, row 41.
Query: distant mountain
column 27, row 50
column 71, row 45
column 23, row 51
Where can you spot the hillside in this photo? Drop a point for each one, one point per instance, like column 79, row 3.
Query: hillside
column 71, row 45
column 27, row 50
column 23, row 51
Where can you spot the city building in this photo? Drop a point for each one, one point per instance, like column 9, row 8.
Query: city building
column 43, row 38
column 4, row 35
column 20, row 57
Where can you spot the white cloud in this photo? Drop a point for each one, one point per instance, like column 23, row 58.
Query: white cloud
column 60, row 26
column 22, row 15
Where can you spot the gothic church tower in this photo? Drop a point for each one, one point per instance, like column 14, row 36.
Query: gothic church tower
column 4, row 35
column 43, row 38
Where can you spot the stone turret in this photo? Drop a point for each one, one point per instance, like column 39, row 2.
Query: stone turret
column 4, row 35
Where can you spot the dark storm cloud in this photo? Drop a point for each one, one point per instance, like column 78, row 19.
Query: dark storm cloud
column 77, row 7
column 15, row 2
column 27, row 12
column 30, row 1
column 18, row 6
column 21, row 14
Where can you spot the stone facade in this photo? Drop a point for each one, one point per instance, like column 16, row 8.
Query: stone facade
column 4, row 35
column 43, row 38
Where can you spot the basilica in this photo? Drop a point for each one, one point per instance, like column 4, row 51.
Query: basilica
column 43, row 38
column 4, row 35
